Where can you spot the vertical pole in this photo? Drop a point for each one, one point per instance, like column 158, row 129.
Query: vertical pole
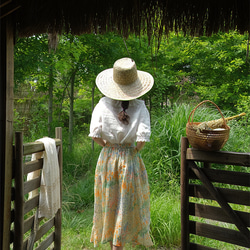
column 58, row 216
column 6, row 126
column 2, row 122
column 19, row 193
column 184, row 196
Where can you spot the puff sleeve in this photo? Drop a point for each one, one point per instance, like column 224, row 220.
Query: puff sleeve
column 144, row 130
column 96, row 122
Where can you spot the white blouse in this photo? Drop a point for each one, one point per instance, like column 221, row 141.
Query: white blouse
column 106, row 125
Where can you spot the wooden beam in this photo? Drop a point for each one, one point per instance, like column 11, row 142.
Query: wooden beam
column 34, row 147
column 234, row 196
column 220, row 157
column 218, row 233
column 2, row 121
column 216, row 213
column 6, row 126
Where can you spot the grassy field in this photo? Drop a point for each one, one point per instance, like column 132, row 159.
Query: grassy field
column 165, row 226
column 162, row 159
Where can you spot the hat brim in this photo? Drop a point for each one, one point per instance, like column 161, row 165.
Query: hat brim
column 113, row 90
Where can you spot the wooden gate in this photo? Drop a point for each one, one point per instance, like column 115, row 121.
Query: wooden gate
column 28, row 231
column 208, row 193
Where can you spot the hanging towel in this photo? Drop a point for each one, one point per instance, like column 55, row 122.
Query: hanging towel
column 49, row 198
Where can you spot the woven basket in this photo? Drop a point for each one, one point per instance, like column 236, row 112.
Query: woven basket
column 208, row 140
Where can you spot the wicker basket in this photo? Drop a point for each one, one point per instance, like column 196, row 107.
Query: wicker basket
column 209, row 140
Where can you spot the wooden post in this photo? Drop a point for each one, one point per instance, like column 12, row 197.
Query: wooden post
column 2, row 122
column 19, row 193
column 6, row 126
column 58, row 216
column 184, row 196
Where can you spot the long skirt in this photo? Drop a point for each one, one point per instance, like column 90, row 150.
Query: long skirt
column 122, row 198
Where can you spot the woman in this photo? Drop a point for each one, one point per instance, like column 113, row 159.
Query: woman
column 119, row 121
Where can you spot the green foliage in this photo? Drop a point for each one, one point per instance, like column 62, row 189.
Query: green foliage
column 80, row 195
column 165, row 218
column 219, row 68
column 163, row 164
column 239, row 139
column 186, row 70
column 212, row 68
column 76, row 229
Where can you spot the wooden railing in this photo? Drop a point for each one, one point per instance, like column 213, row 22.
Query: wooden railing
column 28, row 231
column 209, row 183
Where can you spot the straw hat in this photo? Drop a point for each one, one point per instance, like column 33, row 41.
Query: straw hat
column 123, row 81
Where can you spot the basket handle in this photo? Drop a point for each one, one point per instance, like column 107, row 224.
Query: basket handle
column 192, row 112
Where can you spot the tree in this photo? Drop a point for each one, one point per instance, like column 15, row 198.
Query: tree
column 184, row 68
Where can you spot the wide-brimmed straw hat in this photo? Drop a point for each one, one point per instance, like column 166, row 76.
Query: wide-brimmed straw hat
column 123, row 81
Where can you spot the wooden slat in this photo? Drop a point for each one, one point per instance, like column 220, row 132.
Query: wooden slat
column 5, row 3
column 221, row 157
column 32, row 185
column 232, row 196
column 42, row 230
column 31, row 204
column 34, row 147
column 47, row 242
column 9, row 11
column 32, row 166
column 226, row 177
column 25, row 244
column 194, row 246
column 216, row 213
column 218, row 233
column 28, row 223
column 45, row 228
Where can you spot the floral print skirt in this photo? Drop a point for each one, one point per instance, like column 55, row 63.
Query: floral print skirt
column 122, row 198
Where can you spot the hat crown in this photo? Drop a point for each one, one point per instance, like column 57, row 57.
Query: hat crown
column 125, row 71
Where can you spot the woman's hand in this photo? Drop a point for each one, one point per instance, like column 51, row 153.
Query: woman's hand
column 99, row 141
column 140, row 145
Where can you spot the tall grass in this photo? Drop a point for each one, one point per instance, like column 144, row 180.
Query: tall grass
column 165, row 218
column 162, row 154
column 162, row 159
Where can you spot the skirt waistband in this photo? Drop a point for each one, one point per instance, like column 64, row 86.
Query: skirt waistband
column 117, row 145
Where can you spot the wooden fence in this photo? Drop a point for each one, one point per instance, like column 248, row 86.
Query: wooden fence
column 28, row 231
column 207, row 190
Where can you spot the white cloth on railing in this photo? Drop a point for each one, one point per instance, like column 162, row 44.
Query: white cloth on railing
column 49, row 198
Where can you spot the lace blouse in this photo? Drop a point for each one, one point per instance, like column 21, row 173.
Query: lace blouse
column 106, row 125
